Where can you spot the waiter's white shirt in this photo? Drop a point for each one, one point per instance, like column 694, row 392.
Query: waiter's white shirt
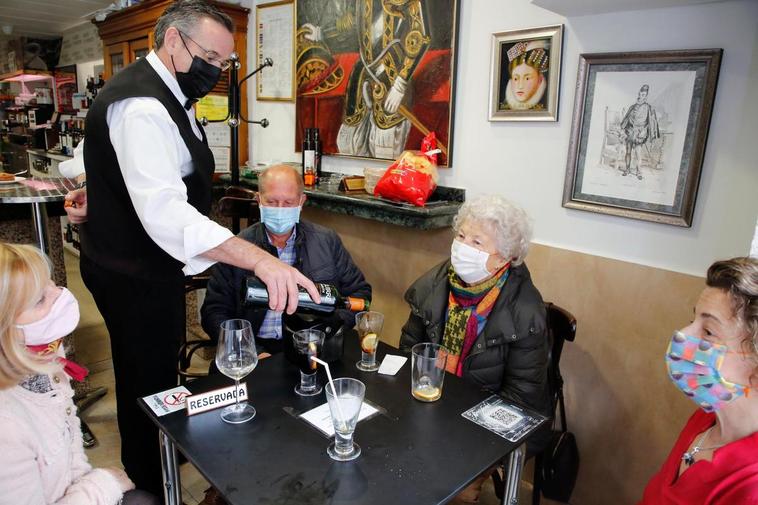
column 153, row 159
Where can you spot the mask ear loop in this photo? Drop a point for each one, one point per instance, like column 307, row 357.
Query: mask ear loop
column 185, row 47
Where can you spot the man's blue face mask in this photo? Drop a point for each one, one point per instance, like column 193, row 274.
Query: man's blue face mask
column 280, row 220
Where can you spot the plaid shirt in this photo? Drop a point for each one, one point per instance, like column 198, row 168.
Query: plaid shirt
column 272, row 322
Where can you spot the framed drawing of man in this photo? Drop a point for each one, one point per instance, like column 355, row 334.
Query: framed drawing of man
column 375, row 76
column 639, row 133
column 525, row 74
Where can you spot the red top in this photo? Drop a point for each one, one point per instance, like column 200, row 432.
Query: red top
column 730, row 478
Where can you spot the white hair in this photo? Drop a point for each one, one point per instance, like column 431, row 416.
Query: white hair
column 510, row 224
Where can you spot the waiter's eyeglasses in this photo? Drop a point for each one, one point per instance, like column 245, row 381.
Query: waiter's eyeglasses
column 211, row 57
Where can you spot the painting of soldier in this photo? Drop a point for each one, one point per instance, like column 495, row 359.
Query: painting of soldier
column 375, row 76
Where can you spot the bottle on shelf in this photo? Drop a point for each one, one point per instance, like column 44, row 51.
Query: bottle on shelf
column 309, row 160
column 254, row 292
column 317, row 149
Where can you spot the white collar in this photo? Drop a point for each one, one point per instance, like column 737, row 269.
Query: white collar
column 166, row 76
column 534, row 100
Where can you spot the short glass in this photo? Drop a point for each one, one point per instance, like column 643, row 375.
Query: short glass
column 369, row 325
column 308, row 343
column 428, row 363
column 345, row 401
column 236, row 357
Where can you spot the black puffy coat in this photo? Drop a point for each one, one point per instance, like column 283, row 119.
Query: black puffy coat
column 320, row 256
column 510, row 355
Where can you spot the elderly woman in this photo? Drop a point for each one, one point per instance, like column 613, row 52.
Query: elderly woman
column 40, row 437
column 714, row 362
column 482, row 306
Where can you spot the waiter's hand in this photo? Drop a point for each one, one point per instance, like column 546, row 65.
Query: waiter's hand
column 76, row 205
column 282, row 281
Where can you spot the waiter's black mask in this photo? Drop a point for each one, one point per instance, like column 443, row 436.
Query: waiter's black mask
column 201, row 77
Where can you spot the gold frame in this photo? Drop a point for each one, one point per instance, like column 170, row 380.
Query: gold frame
column 259, row 49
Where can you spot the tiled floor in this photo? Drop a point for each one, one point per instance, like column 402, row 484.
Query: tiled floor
column 93, row 351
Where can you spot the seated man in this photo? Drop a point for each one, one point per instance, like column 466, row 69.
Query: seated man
column 314, row 250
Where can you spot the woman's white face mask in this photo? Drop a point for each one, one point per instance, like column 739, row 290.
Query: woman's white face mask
column 470, row 263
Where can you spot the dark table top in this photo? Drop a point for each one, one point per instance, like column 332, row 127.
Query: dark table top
column 412, row 453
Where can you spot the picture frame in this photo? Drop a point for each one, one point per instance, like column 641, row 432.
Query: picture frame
column 639, row 132
column 375, row 101
column 275, row 39
column 525, row 74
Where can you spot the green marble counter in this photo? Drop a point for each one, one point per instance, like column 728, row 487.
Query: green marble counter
column 438, row 212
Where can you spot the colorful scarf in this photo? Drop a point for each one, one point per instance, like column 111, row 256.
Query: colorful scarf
column 467, row 310
column 73, row 370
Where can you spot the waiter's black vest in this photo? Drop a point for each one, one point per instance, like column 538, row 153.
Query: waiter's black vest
column 113, row 236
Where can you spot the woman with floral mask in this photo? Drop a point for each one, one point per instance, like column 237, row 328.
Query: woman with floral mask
column 714, row 361
column 482, row 306
column 40, row 437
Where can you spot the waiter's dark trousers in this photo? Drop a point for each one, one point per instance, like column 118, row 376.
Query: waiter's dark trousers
column 145, row 319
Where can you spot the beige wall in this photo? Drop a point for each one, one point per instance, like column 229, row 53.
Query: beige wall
column 621, row 405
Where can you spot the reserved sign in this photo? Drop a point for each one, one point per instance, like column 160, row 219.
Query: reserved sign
column 203, row 402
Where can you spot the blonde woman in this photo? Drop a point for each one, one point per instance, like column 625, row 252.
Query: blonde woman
column 40, row 437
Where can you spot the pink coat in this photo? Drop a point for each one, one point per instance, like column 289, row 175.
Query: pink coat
column 42, row 459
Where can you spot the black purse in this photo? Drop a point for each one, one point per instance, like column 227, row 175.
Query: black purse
column 560, row 466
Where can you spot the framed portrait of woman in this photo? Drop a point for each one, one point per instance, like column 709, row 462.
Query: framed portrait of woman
column 525, row 74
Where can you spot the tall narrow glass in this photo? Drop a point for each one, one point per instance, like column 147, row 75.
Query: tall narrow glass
column 345, row 398
column 236, row 357
column 369, row 325
column 308, row 343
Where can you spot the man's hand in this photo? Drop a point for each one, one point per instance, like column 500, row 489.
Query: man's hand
column 282, row 281
column 76, row 206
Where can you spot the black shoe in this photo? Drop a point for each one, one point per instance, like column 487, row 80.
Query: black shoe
column 88, row 438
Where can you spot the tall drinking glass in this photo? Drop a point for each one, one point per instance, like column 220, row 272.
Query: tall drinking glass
column 428, row 363
column 345, row 398
column 308, row 343
column 236, row 357
column 369, row 325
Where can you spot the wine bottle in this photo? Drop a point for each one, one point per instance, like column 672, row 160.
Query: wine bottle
column 317, row 150
column 309, row 160
column 254, row 292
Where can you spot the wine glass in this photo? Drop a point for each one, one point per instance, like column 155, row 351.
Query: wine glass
column 236, row 357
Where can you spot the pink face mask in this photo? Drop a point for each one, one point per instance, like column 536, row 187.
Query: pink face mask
column 59, row 322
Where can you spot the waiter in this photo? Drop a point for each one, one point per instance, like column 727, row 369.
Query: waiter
column 148, row 175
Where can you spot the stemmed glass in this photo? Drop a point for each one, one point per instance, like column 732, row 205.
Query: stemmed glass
column 236, row 357
column 345, row 398
column 308, row 343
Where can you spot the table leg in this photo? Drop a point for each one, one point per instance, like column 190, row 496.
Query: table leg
column 172, row 492
column 39, row 218
column 513, row 471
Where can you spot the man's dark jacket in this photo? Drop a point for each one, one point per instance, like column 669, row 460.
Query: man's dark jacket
column 320, row 256
column 510, row 355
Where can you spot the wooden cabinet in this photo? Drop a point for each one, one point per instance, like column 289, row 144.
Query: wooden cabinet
column 128, row 35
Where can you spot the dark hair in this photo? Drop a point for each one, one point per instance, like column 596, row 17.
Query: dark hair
column 184, row 15
column 739, row 278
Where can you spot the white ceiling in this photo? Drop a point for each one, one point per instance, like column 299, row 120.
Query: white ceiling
column 570, row 8
column 47, row 18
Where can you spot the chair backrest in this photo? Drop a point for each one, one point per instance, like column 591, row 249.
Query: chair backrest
column 239, row 203
column 561, row 326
